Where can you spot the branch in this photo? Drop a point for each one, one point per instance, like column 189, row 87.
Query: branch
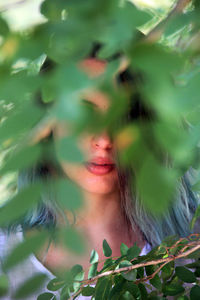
column 148, row 263
column 156, row 33
column 163, row 261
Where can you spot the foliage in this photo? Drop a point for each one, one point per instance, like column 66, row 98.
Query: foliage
column 166, row 64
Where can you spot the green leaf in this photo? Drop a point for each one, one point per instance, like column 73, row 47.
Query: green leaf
column 156, row 282
column 55, row 284
column 78, row 277
column 75, row 270
column 127, row 296
column 68, row 194
column 106, row 249
column 195, row 217
column 103, row 288
column 183, row 298
column 31, row 244
column 94, row 257
column 133, row 289
column 133, row 252
column 21, row 159
column 4, row 285
column 153, row 179
column 143, row 291
column 128, row 275
column 4, row 29
column 185, row 274
column 173, row 289
column 92, row 270
column 167, row 271
column 123, row 249
column 20, row 204
column 46, row 296
column 73, row 240
column 88, row 291
column 67, row 150
column 30, row 286
column 195, row 292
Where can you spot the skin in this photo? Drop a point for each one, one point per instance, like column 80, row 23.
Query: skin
column 101, row 217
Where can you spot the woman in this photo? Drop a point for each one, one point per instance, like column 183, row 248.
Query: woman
column 110, row 210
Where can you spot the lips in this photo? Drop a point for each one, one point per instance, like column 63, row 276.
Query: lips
column 100, row 165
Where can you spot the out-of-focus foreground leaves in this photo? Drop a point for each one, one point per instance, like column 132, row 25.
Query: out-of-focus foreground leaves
column 166, row 82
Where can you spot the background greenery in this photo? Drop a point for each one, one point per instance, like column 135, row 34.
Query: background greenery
column 167, row 59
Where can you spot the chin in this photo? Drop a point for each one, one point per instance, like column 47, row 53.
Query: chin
column 102, row 185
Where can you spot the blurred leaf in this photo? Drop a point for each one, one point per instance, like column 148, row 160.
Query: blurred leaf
column 19, row 123
column 68, row 194
column 4, row 285
column 52, row 10
column 67, row 150
column 156, row 185
column 22, row 251
column 21, row 158
column 106, row 249
column 73, row 240
column 179, row 21
column 4, row 28
column 120, row 27
column 30, row 286
column 94, row 257
column 185, row 274
column 20, row 204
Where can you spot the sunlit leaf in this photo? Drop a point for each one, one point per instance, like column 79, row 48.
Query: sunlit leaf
column 94, row 257
column 22, row 158
column 20, row 204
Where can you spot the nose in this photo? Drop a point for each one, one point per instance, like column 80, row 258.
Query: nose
column 102, row 141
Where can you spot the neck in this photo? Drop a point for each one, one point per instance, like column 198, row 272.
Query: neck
column 99, row 208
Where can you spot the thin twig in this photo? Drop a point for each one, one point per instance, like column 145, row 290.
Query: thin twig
column 148, row 263
column 155, row 34
column 162, row 261
column 152, row 275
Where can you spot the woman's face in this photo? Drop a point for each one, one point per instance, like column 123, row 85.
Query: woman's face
column 98, row 173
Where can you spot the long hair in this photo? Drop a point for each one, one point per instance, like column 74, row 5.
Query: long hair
column 154, row 229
